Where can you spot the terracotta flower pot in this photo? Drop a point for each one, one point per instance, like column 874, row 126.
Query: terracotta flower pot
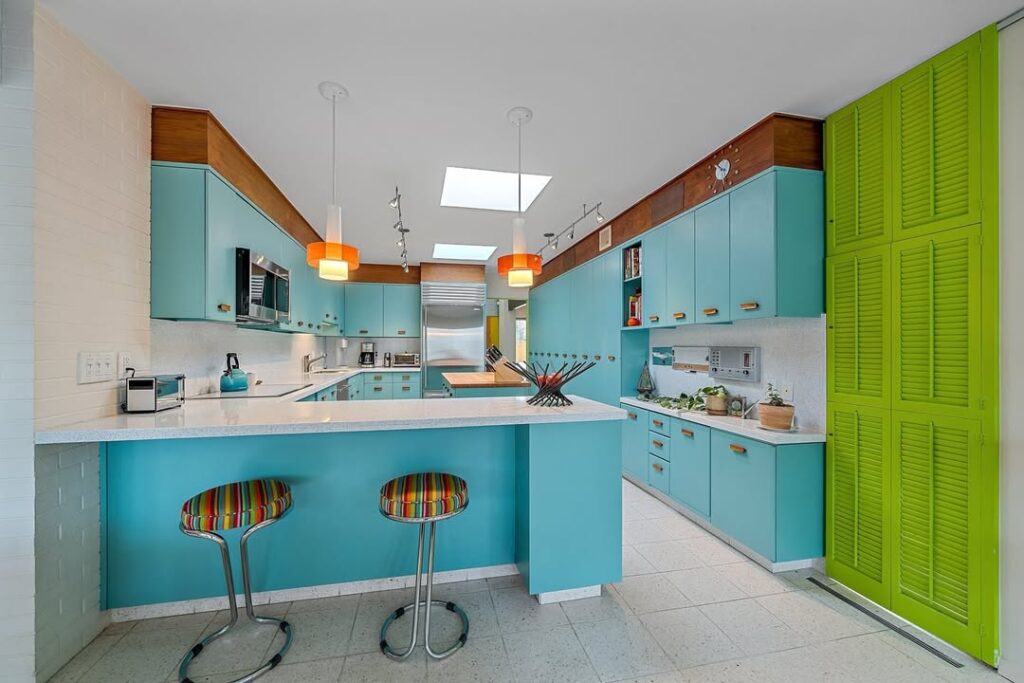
column 775, row 417
column 716, row 405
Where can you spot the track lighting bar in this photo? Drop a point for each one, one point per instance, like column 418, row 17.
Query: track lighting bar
column 570, row 231
column 399, row 226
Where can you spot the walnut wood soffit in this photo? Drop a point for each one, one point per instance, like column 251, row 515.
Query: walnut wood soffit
column 776, row 140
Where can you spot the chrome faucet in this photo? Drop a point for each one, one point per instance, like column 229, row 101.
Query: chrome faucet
column 309, row 360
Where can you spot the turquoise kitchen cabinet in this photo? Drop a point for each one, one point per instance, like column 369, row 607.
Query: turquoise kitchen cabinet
column 777, row 245
column 679, row 270
column 655, row 261
column 711, row 261
column 178, row 271
column 401, row 310
column 659, row 472
column 355, row 387
column 634, row 443
column 690, row 481
column 364, row 310
column 769, row 498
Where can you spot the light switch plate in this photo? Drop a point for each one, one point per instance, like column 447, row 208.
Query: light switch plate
column 95, row 366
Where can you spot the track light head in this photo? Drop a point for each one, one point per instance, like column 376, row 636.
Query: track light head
column 600, row 218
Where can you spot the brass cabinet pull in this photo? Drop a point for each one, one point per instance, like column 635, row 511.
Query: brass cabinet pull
column 679, row 315
column 686, row 432
column 406, row 378
column 657, row 467
column 653, row 318
column 585, row 356
column 611, row 358
column 573, row 355
column 632, row 416
column 657, row 423
column 597, row 357
column 736, row 448
column 658, row 444
column 364, row 331
column 223, row 308
column 710, row 311
column 378, row 378
column 750, row 306
column 378, row 388
column 401, row 332
column 405, row 388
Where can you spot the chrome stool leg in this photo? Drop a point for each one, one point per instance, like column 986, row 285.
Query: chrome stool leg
column 283, row 625
column 417, row 604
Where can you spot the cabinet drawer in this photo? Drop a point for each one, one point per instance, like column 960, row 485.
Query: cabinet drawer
column 405, row 390
column 377, row 390
column 659, row 423
column 743, row 491
column 659, row 445
column 658, row 473
column 376, row 377
column 634, row 446
column 405, row 377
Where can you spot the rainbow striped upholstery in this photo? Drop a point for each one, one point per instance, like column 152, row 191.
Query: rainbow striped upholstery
column 423, row 496
column 243, row 503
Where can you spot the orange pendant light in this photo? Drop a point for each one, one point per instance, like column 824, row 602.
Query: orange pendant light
column 520, row 267
column 333, row 259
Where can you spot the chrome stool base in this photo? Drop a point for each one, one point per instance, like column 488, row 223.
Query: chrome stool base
column 281, row 624
column 425, row 605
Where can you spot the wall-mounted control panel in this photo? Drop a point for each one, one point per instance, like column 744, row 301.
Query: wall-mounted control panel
column 735, row 363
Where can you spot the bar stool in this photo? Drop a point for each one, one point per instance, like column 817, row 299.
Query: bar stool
column 424, row 498
column 256, row 504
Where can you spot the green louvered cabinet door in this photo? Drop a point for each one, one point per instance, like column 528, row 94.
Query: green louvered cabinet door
column 937, row 141
column 857, row 475
column 858, row 337
column 937, row 323
column 937, row 537
column 858, row 173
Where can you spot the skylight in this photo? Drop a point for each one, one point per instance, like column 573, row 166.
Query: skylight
column 463, row 252
column 473, row 188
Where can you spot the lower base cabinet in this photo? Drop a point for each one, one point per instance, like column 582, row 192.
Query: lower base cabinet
column 768, row 498
column 634, row 443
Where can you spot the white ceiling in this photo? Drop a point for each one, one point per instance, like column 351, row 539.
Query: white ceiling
column 625, row 94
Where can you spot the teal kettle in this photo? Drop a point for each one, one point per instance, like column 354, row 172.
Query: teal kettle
column 233, row 378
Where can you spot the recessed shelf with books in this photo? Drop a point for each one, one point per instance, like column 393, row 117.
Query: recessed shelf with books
column 632, row 286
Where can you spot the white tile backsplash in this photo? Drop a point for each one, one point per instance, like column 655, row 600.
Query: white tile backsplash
column 792, row 352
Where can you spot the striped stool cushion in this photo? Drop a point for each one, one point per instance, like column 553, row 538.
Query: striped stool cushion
column 243, row 503
column 419, row 497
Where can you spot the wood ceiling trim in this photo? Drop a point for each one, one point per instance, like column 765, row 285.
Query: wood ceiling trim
column 195, row 136
column 776, row 140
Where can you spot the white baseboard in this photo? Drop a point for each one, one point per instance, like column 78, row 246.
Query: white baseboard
column 774, row 567
column 168, row 609
column 569, row 594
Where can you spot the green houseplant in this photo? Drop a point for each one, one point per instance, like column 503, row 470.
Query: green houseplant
column 773, row 412
column 716, row 400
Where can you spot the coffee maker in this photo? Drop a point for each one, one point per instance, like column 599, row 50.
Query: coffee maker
column 366, row 355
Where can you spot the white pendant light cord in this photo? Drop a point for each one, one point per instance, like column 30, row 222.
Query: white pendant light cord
column 334, row 150
column 519, row 175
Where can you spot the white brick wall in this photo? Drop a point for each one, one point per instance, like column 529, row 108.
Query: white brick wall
column 91, row 225
column 17, row 564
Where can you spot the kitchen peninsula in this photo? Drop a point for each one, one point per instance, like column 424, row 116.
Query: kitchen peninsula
column 544, row 486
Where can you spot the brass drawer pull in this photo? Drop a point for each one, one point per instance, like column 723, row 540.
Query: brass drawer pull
column 378, row 388
column 597, row 356
column 378, row 378
column 658, row 444
column 223, row 308
column 657, row 423
column 632, row 416
column 750, row 306
column 653, row 318
column 710, row 311
column 401, row 332
column 686, row 432
column 405, row 388
column 679, row 316
column 657, row 467
column 611, row 358
column 736, row 448
column 364, row 331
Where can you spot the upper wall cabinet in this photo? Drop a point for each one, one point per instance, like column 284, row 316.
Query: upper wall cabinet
column 401, row 310
column 381, row 310
column 857, row 144
column 936, row 113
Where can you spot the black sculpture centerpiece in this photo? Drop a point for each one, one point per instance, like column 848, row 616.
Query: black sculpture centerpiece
column 549, row 384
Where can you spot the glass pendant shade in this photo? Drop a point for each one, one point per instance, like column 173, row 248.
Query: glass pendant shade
column 332, row 259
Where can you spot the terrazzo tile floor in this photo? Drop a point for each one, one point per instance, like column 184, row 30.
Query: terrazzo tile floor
column 689, row 608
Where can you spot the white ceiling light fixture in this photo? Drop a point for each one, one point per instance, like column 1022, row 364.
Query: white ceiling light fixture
column 463, row 252
column 396, row 204
column 474, row 188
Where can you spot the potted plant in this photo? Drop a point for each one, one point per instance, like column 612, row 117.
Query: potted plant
column 716, row 400
column 773, row 412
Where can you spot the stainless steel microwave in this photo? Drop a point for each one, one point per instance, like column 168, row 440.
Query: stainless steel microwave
column 262, row 289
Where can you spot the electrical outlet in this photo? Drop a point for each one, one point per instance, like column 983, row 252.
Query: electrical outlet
column 95, row 366
column 124, row 360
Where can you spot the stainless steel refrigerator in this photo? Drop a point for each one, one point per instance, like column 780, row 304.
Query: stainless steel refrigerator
column 453, row 332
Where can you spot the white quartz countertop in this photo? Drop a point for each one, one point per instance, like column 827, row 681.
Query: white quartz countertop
column 287, row 415
column 733, row 425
